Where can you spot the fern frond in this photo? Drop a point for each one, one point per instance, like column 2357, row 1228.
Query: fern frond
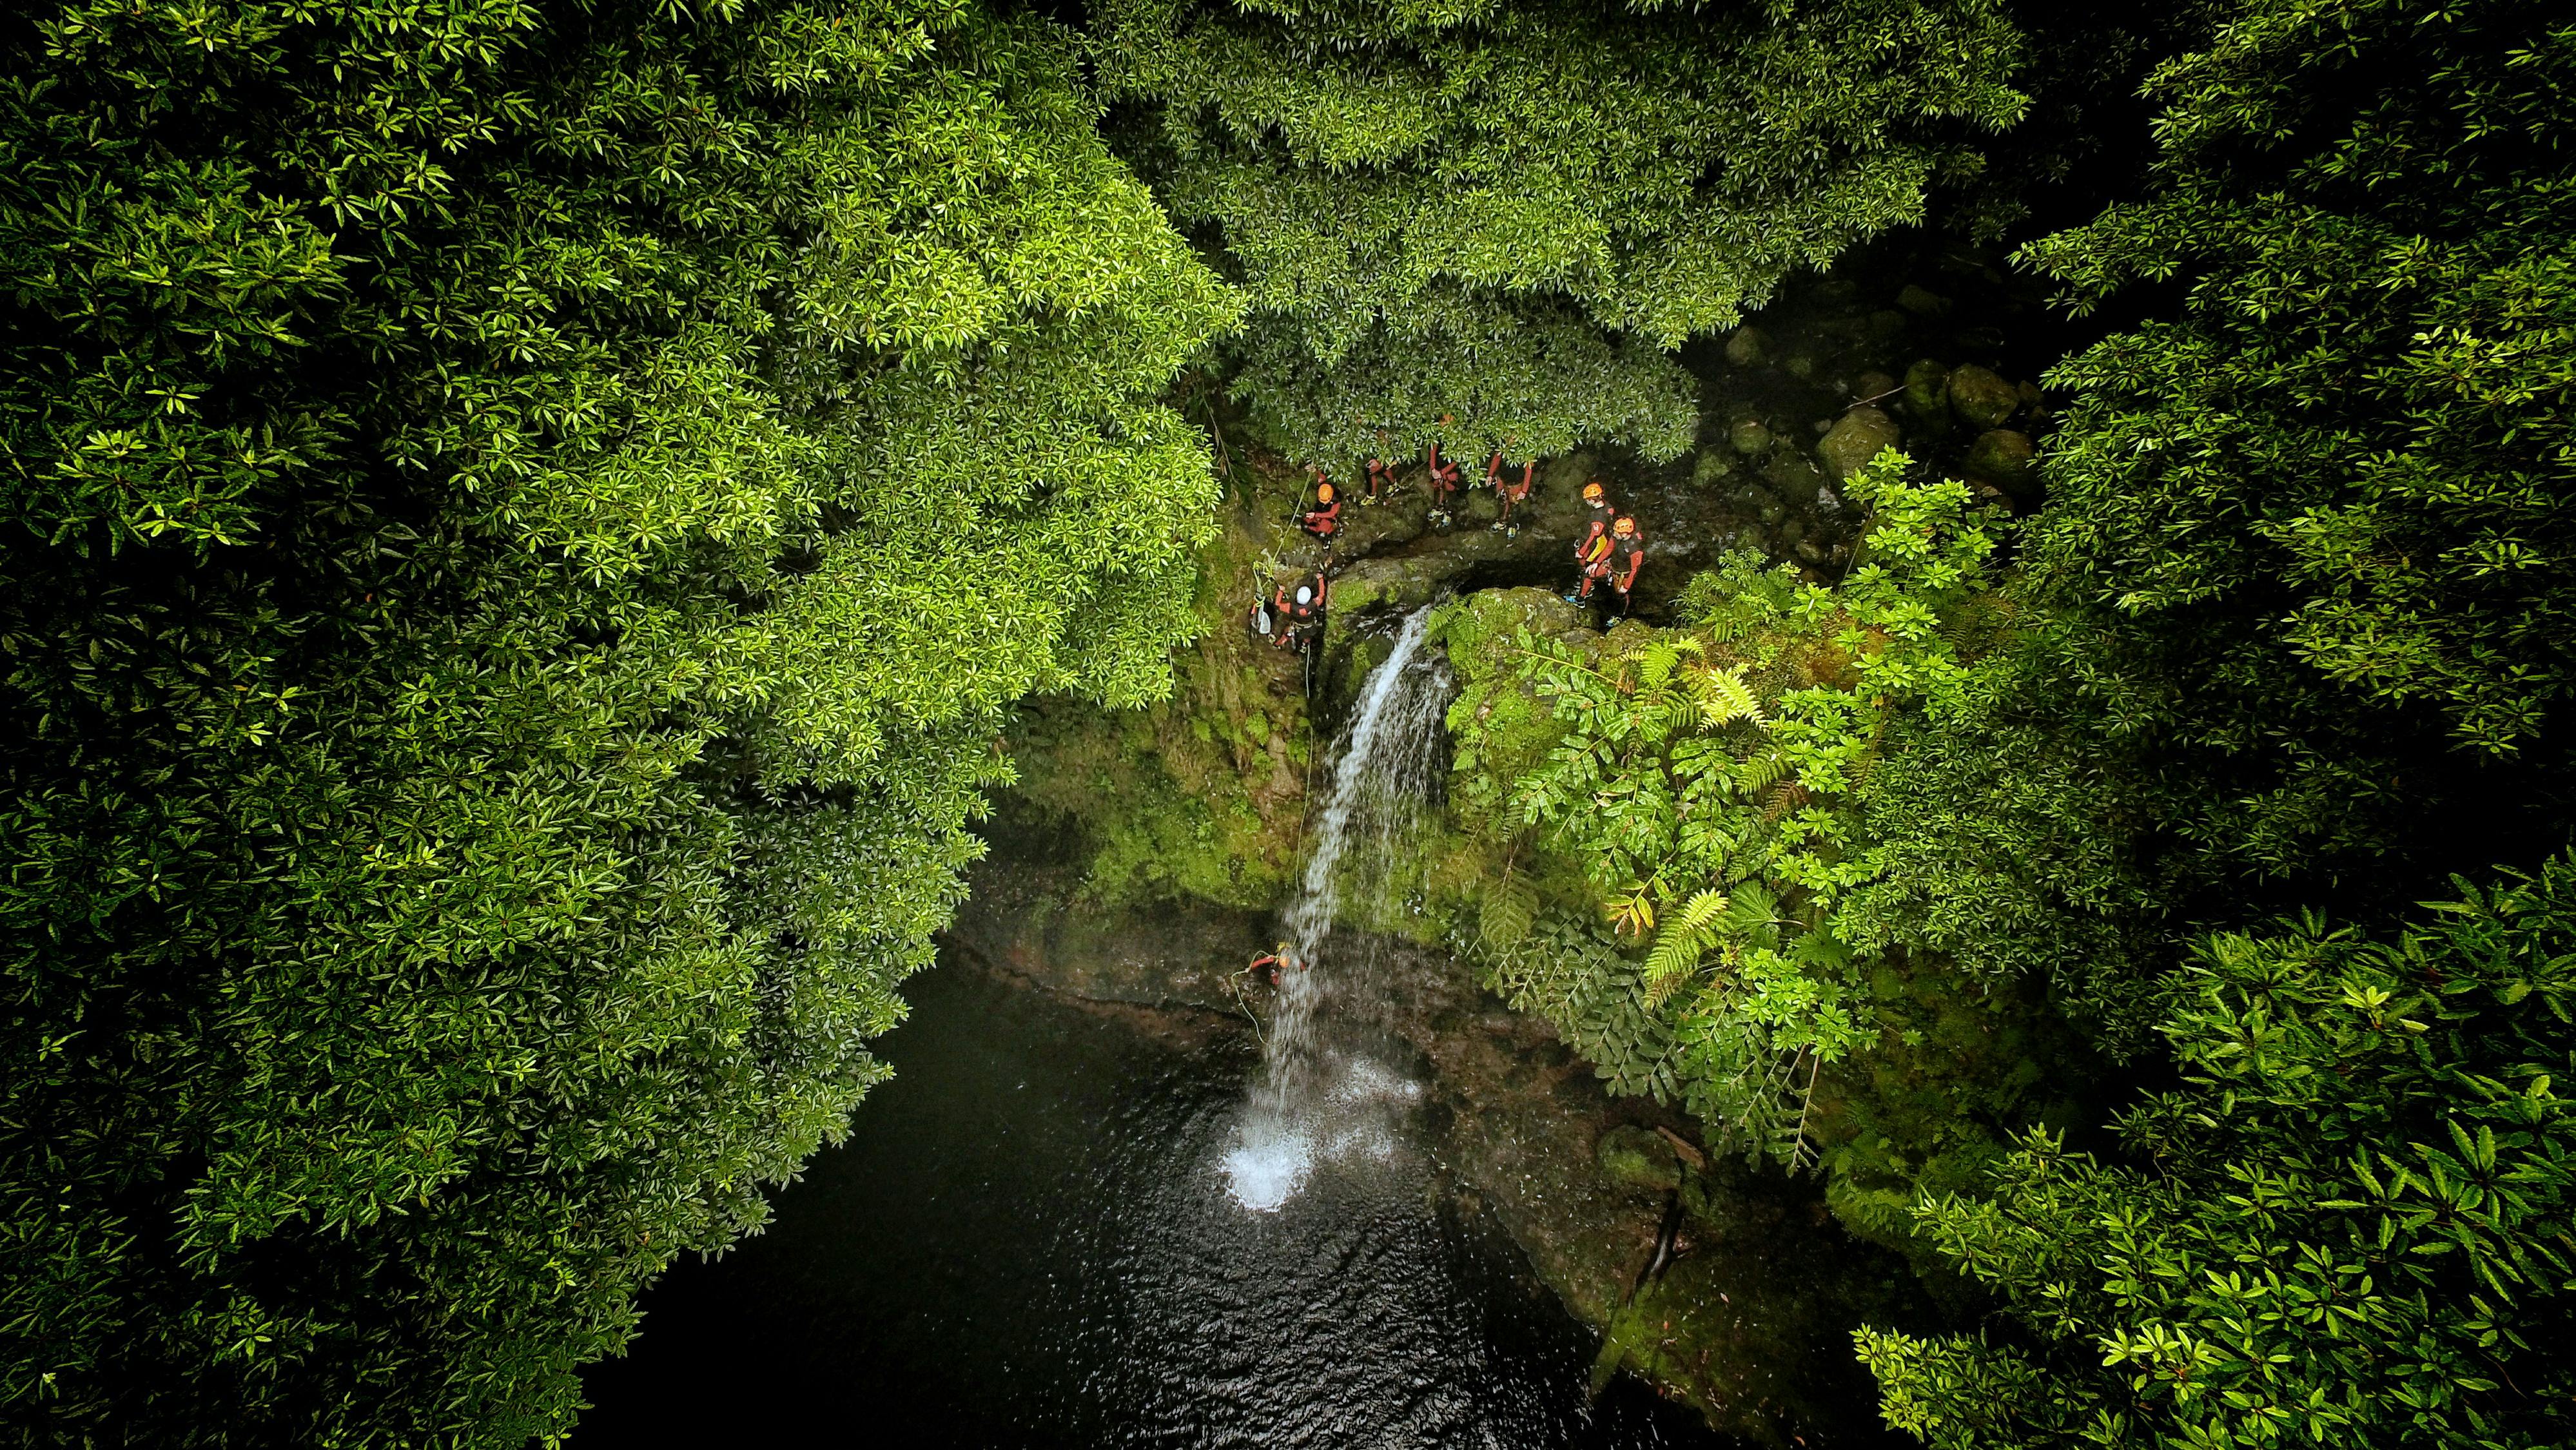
column 1759, row 773
column 1723, row 695
column 1504, row 917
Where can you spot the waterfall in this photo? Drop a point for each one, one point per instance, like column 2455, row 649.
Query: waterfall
column 1314, row 1099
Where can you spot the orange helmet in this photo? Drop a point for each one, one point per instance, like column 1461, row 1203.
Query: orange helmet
column 1592, row 492
column 1323, row 493
column 1624, row 527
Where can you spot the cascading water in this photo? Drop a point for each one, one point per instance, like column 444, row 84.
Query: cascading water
column 1314, row 1098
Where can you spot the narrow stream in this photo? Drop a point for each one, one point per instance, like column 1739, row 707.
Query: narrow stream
column 1028, row 1242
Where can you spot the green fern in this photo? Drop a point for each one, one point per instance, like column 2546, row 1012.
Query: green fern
column 1687, row 936
column 1723, row 695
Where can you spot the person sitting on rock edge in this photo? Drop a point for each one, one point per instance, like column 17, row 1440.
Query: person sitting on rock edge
column 1326, row 517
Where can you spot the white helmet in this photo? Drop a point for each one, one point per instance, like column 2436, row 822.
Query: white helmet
column 1304, row 593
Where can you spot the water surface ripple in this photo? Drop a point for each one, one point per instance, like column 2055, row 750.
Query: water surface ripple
column 1029, row 1241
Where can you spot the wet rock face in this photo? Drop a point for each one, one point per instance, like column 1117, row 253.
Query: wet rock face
column 1639, row 1158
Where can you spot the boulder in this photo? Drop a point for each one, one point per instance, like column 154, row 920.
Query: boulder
column 1750, row 438
column 2002, row 457
column 1875, row 386
column 1862, row 434
column 1792, row 475
column 1801, row 367
column 1921, row 302
column 1927, row 390
column 1981, row 398
column 1748, row 348
column 1710, row 468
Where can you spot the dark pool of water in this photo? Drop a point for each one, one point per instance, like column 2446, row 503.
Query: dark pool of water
column 1027, row 1241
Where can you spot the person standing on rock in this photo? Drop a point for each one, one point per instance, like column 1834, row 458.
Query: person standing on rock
column 1597, row 517
column 1591, row 565
column 1381, row 475
column 1511, row 493
column 1627, row 557
column 1444, row 484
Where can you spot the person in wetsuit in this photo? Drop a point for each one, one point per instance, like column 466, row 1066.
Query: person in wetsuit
column 1300, row 615
column 1444, row 484
column 1509, row 492
column 1325, row 518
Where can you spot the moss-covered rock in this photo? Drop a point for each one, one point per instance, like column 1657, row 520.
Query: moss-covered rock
column 1859, row 436
column 1927, row 391
column 1639, row 1158
column 1981, row 397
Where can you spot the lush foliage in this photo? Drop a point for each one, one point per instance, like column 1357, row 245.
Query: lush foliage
column 2317, row 523
column 2347, row 1227
column 2305, row 599
column 525, row 520
column 1700, row 888
column 1504, row 212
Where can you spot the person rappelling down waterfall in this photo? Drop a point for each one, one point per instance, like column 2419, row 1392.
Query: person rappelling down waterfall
column 1281, row 958
column 1299, row 616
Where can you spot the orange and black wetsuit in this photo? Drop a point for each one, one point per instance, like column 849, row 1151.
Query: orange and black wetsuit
column 1512, row 493
column 1494, row 471
column 1444, row 477
column 1298, row 622
column 1627, row 556
column 1592, row 556
column 1595, row 528
column 1381, row 474
column 1323, row 522
column 1270, row 964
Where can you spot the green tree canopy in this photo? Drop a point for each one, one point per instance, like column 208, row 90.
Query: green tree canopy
column 2347, row 1228
column 2316, row 523
column 1437, row 208
column 526, row 517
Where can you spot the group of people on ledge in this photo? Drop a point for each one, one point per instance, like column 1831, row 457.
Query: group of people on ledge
column 1442, row 477
column 1610, row 550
